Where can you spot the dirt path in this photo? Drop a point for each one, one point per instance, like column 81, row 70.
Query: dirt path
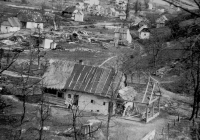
column 15, row 74
column 107, row 60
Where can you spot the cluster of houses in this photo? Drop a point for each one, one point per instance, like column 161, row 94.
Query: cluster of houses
column 77, row 12
column 24, row 19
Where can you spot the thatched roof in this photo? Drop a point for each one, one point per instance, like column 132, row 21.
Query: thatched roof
column 57, row 74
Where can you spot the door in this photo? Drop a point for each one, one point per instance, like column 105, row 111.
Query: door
column 76, row 99
column 110, row 107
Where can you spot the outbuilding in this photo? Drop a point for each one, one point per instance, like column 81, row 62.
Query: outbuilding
column 160, row 22
column 78, row 15
column 144, row 32
column 123, row 35
column 31, row 19
column 12, row 24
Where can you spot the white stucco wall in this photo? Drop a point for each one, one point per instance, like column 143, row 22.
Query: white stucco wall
column 85, row 104
column 78, row 17
column 6, row 29
column 129, row 37
column 47, row 43
column 126, row 36
column 92, row 2
column 32, row 25
column 144, row 35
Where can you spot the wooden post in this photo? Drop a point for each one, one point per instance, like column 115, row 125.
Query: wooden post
column 152, row 109
column 178, row 118
column 168, row 131
column 89, row 130
column 174, row 122
column 159, row 105
column 147, row 114
column 163, row 130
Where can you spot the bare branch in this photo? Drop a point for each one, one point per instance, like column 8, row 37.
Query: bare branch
column 197, row 3
column 189, row 11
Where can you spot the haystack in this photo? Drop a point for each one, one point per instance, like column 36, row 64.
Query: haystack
column 57, row 74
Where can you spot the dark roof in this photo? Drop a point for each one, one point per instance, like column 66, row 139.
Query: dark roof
column 30, row 16
column 145, row 30
column 12, row 21
column 94, row 80
column 70, row 9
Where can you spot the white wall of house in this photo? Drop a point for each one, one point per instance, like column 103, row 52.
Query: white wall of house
column 47, row 43
column 7, row 29
column 150, row 6
column 122, row 17
column 144, row 35
column 124, row 36
column 129, row 37
column 78, row 17
column 89, row 102
column 32, row 25
column 92, row 2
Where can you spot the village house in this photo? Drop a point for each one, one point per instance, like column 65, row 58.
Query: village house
column 78, row 15
column 122, row 15
column 150, row 6
column 144, row 32
column 87, row 87
column 122, row 35
column 74, row 13
column 31, row 19
column 45, row 42
column 48, row 43
column 12, row 24
column 160, row 22
column 80, row 5
column 69, row 11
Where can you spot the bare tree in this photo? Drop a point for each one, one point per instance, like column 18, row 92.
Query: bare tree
column 191, row 60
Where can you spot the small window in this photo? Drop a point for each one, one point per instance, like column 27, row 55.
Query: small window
column 69, row 96
column 92, row 101
column 104, row 103
column 60, row 94
column 91, row 110
column 97, row 110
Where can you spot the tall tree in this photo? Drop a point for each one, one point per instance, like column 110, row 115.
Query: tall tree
column 146, row 3
column 137, row 6
column 191, row 59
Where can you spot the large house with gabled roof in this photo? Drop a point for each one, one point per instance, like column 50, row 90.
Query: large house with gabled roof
column 12, row 24
column 87, row 87
column 31, row 19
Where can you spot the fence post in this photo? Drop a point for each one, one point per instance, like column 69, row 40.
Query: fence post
column 168, row 131
column 174, row 122
column 179, row 118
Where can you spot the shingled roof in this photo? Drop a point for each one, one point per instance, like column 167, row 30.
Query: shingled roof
column 95, row 80
column 30, row 16
column 87, row 79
